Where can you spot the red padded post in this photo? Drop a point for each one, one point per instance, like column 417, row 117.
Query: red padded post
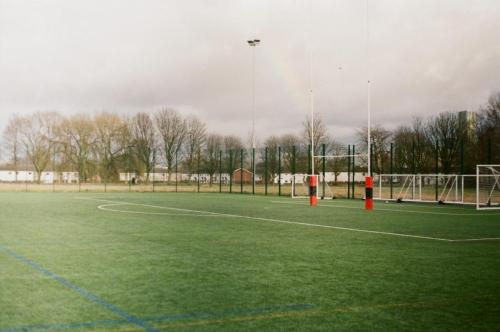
column 369, row 193
column 313, row 187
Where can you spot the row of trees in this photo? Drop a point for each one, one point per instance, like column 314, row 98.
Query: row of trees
column 102, row 145
column 98, row 147
column 445, row 143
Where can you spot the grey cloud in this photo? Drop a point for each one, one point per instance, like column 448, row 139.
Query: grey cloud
column 425, row 57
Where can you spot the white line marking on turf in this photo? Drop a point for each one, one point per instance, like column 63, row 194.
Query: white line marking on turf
column 105, row 207
column 390, row 210
column 479, row 239
column 277, row 220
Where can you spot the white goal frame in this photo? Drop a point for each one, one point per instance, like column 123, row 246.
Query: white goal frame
column 480, row 203
column 452, row 188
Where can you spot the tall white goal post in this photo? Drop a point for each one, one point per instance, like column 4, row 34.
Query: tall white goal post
column 487, row 187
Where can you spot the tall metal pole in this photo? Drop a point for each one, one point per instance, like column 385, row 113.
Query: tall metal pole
column 253, row 43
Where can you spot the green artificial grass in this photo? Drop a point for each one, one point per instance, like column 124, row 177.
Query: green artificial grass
column 222, row 262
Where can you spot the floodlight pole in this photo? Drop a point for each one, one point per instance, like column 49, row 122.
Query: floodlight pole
column 253, row 43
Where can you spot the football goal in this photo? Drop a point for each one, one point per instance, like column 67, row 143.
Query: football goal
column 488, row 187
column 443, row 188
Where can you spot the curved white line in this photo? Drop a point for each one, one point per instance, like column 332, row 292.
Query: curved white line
column 104, row 207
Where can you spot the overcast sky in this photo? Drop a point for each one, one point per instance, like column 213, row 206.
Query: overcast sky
column 425, row 56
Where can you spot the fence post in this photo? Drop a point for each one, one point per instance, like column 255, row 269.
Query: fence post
column 230, row 171
column 176, row 172
column 413, row 165
column 128, row 170
column 26, row 174
column 462, row 156
column 489, row 150
column 220, row 171
column 391, row 167
column 253, row 171
column 279, row 170
column 353, row 170
column 265, row 172
column 309, row 165
column 241, row 171
column 106, row 170
column 371, row 159
column 323, row 149
column 54, row 170
column 436, row 170
column 348, row 171
column 198, row 170
column 154, row 163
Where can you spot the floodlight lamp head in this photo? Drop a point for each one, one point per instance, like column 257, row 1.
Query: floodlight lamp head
column 250, row 42
column 256, row 41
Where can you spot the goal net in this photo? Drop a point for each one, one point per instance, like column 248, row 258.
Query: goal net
column 488, row 187
column 445, row 188
column 300, row 187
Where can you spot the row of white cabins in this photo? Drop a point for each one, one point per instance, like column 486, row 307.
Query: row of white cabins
column 49, row 177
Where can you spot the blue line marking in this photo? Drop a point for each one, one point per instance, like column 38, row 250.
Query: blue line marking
column 165, row 318
column 111, row 307
column 65, row 326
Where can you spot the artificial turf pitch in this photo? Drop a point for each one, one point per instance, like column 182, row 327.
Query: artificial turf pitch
column 202, row 262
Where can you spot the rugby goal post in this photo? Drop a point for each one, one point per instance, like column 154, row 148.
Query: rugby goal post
column 487, row 187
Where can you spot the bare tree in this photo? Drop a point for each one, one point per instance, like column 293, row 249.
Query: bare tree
column 12, row 141
column 38, row 139
column 232, row 146
column 172, row 130
column 212, row 154
column 380, row 141
column 77, row 136
column 444, row 132
column 195, row 138
column 488, row 130
column 113, row 139
column 318, row 135
column 403, row 149
column 272, row 144
column 144, row 141
column 423, row 148
column 337, row 165
column 289, row 144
